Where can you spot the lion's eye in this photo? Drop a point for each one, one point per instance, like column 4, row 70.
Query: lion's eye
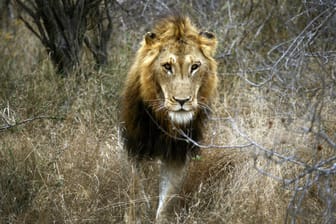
column 167, row 66
column 195, row 66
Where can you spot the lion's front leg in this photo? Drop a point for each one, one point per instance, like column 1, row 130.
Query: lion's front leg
column 171, row 180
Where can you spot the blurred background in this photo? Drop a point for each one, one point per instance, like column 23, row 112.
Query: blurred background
column 269, row 155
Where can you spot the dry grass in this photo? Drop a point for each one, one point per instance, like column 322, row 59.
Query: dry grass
column 72, row 169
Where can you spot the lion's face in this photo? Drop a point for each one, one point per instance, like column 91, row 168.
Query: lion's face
column 179, row 73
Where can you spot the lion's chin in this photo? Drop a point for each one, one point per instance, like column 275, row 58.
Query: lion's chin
column 181, row 117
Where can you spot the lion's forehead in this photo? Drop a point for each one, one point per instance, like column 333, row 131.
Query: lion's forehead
column 181, row 58
column 180, row 48
column 174, row 56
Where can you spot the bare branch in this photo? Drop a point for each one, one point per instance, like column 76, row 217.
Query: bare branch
column 10, row 126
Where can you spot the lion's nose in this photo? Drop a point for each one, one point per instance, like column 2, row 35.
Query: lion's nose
column 181, row 101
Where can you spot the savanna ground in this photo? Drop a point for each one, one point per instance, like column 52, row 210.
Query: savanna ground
column 269, row 155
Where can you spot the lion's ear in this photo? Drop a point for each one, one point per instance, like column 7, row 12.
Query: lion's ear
column 209, row 42
column 207, row 34
column 150, row 38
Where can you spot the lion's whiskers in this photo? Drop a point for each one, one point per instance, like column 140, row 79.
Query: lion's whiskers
column 160, row 108
column 205, row 106
column 157, row 105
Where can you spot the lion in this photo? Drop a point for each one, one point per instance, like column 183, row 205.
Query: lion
column 167, row 98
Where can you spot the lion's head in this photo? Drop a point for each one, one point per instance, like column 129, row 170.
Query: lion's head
column 178, row 73
column 172, row 81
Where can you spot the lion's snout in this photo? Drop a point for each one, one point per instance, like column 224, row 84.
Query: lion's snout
column 181, row 103
column 182, row 100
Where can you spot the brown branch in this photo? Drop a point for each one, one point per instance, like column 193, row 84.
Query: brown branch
column 10, row 126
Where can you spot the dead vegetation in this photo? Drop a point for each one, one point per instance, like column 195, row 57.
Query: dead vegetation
column 269, row 156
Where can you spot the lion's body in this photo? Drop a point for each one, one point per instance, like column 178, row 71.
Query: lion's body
column 168, row 91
